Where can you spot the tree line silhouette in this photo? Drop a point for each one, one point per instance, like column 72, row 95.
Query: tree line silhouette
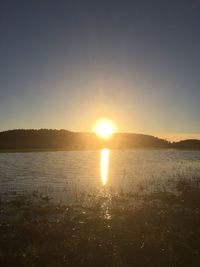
column 67, row 140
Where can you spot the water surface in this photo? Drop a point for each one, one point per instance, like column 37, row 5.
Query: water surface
column 73, row 171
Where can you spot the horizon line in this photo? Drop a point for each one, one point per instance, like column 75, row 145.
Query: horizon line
column 160, row 136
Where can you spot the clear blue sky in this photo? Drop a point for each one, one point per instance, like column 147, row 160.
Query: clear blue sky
column 65, row 63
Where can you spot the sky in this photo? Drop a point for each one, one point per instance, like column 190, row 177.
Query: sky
column 66, row 63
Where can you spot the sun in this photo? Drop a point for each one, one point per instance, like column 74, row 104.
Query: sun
column 104, row 128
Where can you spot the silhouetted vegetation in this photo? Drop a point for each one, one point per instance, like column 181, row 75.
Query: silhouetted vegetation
column 158, row 228
column 44, row 139
column 187, row 144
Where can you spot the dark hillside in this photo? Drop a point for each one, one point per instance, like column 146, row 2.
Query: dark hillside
column 45, row 139
column 63, row 139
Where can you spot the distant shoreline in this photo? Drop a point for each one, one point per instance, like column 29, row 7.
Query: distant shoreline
column 45, row 140
column 2, row 151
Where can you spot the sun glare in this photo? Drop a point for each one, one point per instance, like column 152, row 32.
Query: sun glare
column 104, row 128
column 104, row 165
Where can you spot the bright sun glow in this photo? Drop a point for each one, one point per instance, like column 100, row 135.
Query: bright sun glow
column 104, row 128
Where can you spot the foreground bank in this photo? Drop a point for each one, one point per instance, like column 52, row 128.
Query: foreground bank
column 159, row 228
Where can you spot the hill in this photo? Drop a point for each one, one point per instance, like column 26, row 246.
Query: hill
column 63, row 139
column 45, row 139
column 187, row 144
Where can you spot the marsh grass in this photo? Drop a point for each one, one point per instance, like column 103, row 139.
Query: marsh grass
column 160, row 227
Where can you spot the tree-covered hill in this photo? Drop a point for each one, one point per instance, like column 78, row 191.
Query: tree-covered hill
column 45, row 139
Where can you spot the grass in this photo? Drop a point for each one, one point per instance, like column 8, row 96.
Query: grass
column 157, row 228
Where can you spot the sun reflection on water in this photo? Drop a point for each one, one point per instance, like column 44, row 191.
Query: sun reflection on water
column 104, row 165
